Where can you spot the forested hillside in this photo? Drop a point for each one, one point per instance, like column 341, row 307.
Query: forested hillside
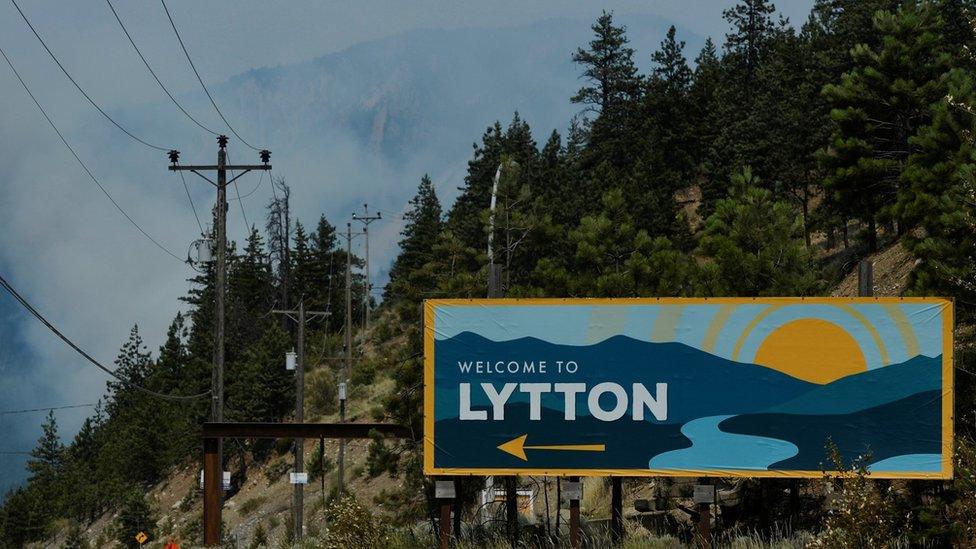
column 765, row 164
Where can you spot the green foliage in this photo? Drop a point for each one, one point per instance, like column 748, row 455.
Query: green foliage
column 754, row 245
column 318, row 464
column 878, row 106
column 251, row 505
column 350, row 524
column 135, row 515
column 861, row 513
column 321, row 392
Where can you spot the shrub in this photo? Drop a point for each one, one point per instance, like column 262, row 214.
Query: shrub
column 276, row 470
column 859, row 513
column 322, row 392
column 353, row 525
column 317, row 464
column 251, row 505
column 135, row 515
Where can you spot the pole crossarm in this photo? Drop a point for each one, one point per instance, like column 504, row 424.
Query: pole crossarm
column 243, row 168
column 212, row 167
column 309, row 315
column 302, row 430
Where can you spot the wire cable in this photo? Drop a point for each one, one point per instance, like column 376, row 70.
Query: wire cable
column 26, row 411
column 153, row 73
column 200, row 79
column 30, row 308
column 190, row 198
column 80, row 89
column 83, row 165
column 252, row 191
column 240, row 202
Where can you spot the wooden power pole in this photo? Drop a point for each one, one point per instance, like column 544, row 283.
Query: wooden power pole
column 348, row 364
column 301, row 317
column 220, row 285
column 366, row 219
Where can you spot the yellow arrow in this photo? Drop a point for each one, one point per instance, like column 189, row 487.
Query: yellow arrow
column 517, row 447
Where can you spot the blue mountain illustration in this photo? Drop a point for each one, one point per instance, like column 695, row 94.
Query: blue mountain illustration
column 868, row 389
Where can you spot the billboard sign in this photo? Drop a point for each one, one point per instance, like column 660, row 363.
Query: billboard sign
column 687, row 387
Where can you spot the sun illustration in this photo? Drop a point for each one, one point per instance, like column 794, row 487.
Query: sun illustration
column 813, row 350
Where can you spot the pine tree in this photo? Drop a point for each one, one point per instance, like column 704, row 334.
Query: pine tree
column 878, row 107
column 47, row 457
column 938, row 196
column 419, row 235
column 741, row 134
column 609, row 67
column 613, row 258
column 134, row 516
column 667, row 104
column 302, row 273
column 748, row 43
column 754, row 245
column 612, row 94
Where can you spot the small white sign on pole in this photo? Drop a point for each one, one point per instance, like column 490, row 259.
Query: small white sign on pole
column 226, row 483
column 342, row 391
column 299, row 478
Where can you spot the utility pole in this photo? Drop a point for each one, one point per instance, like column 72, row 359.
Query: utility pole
column 301, row 317
column 348, row 365
column 217, row 380
column 366, row 219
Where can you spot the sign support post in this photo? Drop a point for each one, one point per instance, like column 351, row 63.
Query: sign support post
column 444, row 492
column 616, row 511
column 574, row 512
column 704, row 497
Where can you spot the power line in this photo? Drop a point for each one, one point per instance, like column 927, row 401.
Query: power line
column 192, row 206
column 80, row 89
column 240, row 202
column 30, row 308
column 29, row 410
column 197, row 73
column 83, row 165
column 252, row 191
column 152, row 72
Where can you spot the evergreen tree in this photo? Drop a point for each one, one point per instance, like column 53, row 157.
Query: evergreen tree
column 609, row 67
column 612, row 93
column 47, row 456
column 419, row 235
column 668, row 123
column 134, row 516
column 303, row 280
column 754, row 246
column 938, row 197
column 878, row 107
column 748, row 42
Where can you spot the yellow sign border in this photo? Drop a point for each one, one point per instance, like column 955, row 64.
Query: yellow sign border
column 948, row 322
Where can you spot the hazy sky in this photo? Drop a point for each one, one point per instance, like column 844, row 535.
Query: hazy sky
column 74, row 256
